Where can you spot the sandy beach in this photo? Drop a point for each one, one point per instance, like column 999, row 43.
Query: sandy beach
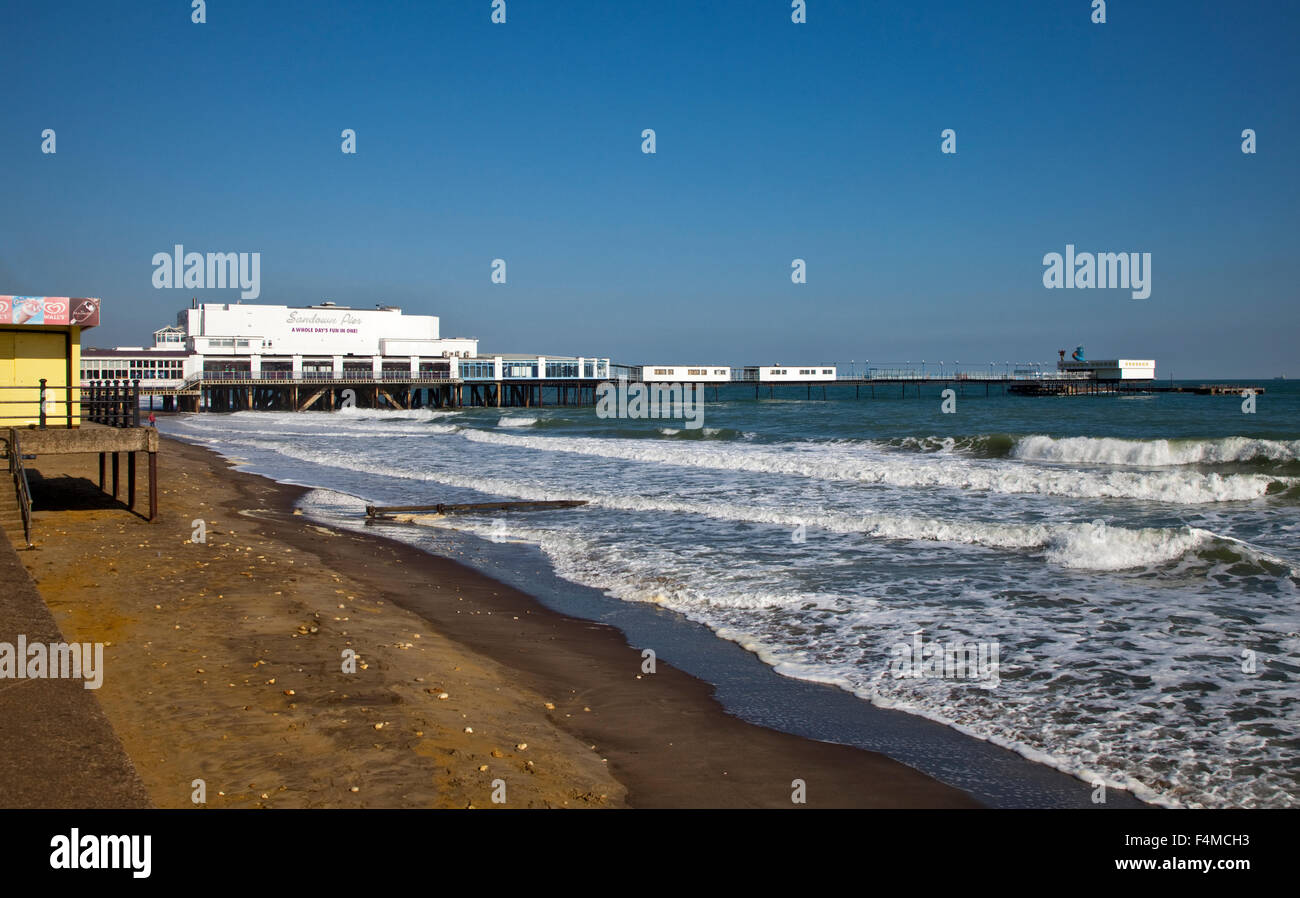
column 226, row 662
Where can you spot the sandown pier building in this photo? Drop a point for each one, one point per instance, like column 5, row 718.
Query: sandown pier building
column 228, row 356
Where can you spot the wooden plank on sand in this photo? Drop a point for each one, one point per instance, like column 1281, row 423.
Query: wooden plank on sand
column 469, row 507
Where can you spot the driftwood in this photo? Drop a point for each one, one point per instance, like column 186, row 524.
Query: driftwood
column 374, row 511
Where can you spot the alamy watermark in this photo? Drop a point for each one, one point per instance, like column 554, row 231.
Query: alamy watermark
column 1125, row 271
column 213, row 271
column 652, row 400
column 53, row 661
column 946, row 661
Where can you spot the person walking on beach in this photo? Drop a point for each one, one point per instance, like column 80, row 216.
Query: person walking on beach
column 153, row 422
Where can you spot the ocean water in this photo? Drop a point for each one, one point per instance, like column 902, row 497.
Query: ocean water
column 1133, row 561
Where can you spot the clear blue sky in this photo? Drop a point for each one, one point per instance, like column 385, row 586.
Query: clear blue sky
column 775, row 141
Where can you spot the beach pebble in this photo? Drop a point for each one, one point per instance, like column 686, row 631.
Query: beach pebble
column 354, row 789
column 379, row 726
column 469, row 729
column 522, row 746
column 550, row 706
column 482, row 768
column 443, row 696
column 496, row 753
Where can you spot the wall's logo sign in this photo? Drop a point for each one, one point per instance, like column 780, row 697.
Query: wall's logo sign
column 1125, row 271
column 215, row 271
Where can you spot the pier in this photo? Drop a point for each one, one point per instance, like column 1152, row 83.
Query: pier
column 237, row 392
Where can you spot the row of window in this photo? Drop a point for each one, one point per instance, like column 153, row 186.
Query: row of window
column 129, row 374
column 132, row 369
column 162, row 364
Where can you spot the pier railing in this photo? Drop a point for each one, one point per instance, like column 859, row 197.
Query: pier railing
column 113, row 403
column 315, row 377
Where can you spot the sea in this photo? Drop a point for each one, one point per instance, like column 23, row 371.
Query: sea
column 1106, row 585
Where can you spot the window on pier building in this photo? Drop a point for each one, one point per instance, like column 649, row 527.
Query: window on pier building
column 517, row 370
column 562, row 369
column 478, row 370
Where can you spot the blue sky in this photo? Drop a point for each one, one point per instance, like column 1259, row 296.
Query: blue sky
column 775, row 141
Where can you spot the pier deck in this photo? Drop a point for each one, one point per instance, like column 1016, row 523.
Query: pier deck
column 328, row 393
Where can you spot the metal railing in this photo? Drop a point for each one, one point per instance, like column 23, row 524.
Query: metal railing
column 308, row 377
column 33, row 408
column 21, row 488
column 114, row 403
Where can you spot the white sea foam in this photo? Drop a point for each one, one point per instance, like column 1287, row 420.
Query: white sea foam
column 866, row 465
column 516, row 421
column 1153, row 453
column 1084, row 546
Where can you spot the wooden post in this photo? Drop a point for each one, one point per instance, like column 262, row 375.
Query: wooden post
column 153, row 485
column 130, row 480
column 116, row 463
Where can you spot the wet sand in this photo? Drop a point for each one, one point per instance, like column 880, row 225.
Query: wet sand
column 226, row 663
